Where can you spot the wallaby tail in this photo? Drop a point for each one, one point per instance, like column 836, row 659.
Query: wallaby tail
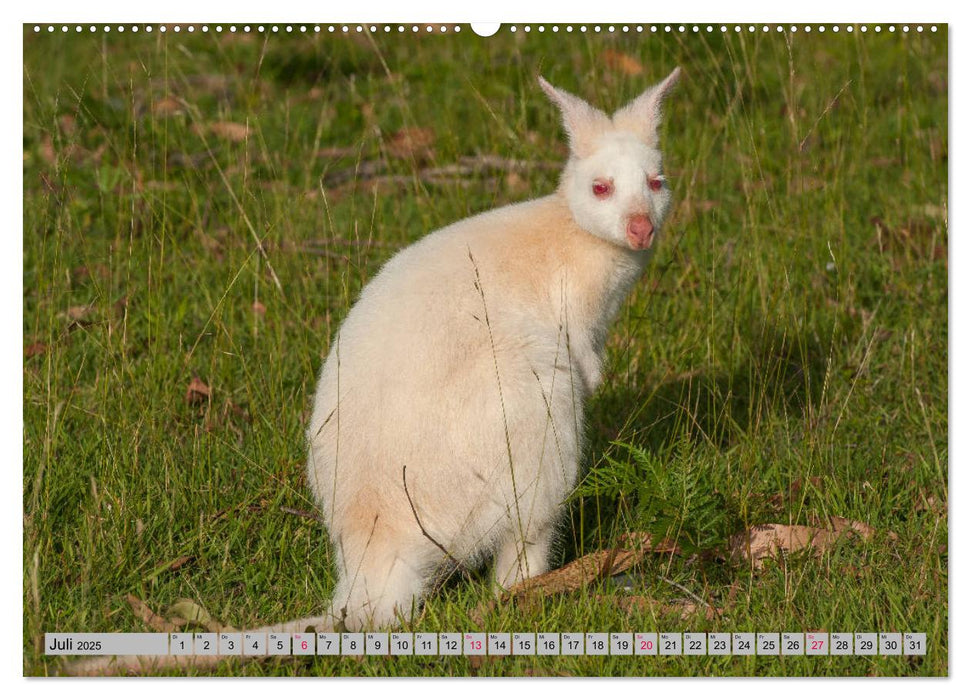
column 136, row 665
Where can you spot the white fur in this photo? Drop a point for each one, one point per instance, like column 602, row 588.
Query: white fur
column 467, row 360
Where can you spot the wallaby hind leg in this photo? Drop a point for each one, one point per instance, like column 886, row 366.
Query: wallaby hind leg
column 516, row 562
column 380, row 579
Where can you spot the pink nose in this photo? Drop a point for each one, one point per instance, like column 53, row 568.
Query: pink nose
column 640, row 232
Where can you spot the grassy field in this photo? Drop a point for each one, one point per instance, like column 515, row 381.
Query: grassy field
column 200, row 211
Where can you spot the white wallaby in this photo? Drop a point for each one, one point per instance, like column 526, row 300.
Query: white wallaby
column 448, row 419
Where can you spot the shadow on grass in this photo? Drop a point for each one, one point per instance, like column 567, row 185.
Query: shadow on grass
column 776, row 374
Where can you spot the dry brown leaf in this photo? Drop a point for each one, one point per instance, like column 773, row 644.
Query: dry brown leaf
column 572, row 577
column 180, row 562
column 580, row 572
column 150, row 618
column 167, row 106
column 78, row 313
column 231, row 131
column 198, row 391
column 619, row 61
column 928, row 503
column 78, row 316
column 34, row 349
column 68, row 124
column 47, row 151
column 767, row 541
column 68, row 151
column 190, row 612
column 412, row 142
column 839, row 524
column 516, row 183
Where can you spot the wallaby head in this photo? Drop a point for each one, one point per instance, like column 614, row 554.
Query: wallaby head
column 613, row 180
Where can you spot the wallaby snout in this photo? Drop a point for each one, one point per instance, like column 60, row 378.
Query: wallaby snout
column 640, row 232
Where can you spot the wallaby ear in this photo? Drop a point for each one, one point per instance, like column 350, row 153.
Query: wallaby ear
column 582, row 121
column 643, row 115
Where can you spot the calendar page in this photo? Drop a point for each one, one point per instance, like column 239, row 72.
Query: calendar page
column 587, row 349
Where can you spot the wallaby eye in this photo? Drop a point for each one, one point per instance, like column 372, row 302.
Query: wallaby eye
column 655, row 183
column 602, row 188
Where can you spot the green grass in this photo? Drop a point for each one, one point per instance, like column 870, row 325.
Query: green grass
column 792, row 329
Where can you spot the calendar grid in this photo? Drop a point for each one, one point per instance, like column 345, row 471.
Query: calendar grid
column 494, row 644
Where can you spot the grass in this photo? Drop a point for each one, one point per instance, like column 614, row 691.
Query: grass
column 783, row 360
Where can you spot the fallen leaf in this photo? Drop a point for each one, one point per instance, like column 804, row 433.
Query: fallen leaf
column 231, row 131
column 167, row 107
column 180, row 562
column 412, row 142
column 198, row 391
column 150, row 618
column 68, row 124
column 195, row 614
column 516, row 183
column 34, row 349
column 762, row 542
column 579, row 573
column 839, row 524
column 78, row 313
column 930, row 504
column 765, row 541
column 47, row 151
column 619, row 61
